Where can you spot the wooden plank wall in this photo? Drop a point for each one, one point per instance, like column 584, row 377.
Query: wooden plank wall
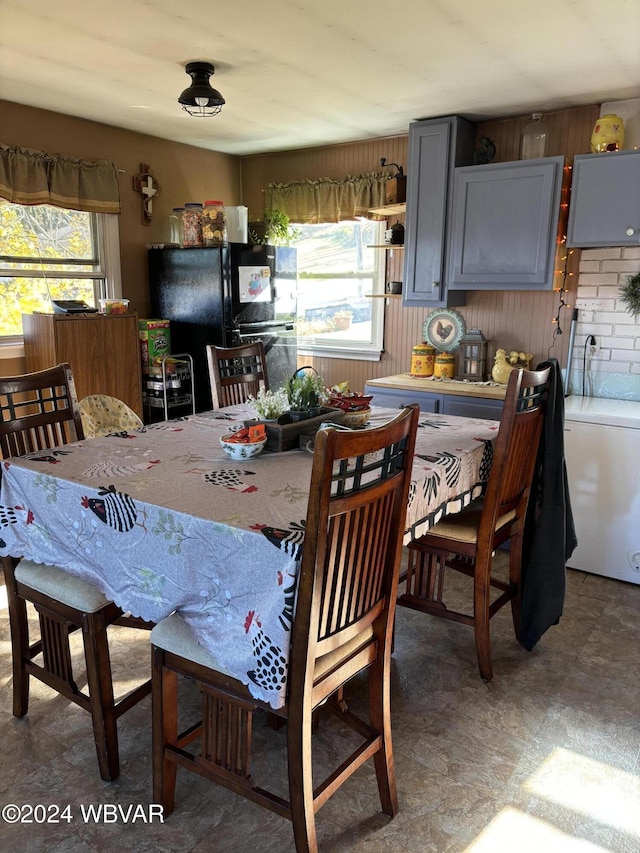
column 522, row 321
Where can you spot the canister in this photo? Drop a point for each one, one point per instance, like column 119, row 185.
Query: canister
column 608, row 134
column 445, row 366
column 192, row 225
column 214, row 224
column 422, row 356
column 175, row 226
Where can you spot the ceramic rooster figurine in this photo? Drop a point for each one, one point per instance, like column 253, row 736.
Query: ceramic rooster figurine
column 504, row 364
column 501, row 368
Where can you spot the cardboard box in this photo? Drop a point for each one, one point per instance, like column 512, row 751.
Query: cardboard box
column 155, row 340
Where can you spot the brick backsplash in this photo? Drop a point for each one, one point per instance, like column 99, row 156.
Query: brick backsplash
column 614, row 369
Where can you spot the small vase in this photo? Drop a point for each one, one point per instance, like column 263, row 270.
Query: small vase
column 608, row 134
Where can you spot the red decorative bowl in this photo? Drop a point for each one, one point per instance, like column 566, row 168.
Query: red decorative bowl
column 350, row 402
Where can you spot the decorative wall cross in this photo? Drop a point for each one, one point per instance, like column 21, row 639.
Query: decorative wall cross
column 146, row 184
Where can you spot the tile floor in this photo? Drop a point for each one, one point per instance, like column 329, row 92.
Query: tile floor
column 545, row 757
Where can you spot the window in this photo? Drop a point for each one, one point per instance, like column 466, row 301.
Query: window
column 53, row 253
column 337, row 273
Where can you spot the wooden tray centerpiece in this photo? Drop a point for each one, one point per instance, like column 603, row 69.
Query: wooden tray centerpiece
column 304, row 394
column 284, row 433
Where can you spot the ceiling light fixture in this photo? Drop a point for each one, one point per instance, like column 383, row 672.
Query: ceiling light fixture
column 200, row 98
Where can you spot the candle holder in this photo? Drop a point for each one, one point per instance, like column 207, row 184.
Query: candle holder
column 473, row 356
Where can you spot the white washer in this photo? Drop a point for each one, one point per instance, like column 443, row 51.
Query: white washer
column 602, row 451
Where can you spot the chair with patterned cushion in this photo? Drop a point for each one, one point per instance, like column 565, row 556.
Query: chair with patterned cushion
column 103, row 415
column 466, row 541
column 342, row 627
column 39, row 411
column 236, row 373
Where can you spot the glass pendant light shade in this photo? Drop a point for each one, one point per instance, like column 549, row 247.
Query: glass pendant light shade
column 200, row 98
column 533, row 139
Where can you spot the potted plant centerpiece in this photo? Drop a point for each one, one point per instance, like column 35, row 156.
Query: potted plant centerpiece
column 306, row 393
column 269, row 405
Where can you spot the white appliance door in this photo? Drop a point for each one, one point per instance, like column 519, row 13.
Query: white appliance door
column 602, row 467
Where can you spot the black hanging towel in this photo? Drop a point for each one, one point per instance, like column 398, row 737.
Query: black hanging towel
column 549, row 533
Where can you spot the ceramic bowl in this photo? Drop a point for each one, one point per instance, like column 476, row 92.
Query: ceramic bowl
column 238, row 450
column 354, row 419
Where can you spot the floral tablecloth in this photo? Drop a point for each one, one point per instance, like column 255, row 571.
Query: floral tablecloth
column 160, row 519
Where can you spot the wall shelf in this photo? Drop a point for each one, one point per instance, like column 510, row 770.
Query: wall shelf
column 383, row 295
column 389, row 210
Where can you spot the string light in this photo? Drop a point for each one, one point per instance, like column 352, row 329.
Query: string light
column 563, row 265
column 562, row 304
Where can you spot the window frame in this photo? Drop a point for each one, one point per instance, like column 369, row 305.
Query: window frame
column 358, row 351
column 107, row 278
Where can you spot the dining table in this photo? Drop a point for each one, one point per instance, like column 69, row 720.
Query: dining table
column 161, row 520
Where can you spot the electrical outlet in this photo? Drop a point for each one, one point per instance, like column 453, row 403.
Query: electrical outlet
column 594, row 347
column 589, row 304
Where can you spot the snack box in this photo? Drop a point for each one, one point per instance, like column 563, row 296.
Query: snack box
column 155, row 340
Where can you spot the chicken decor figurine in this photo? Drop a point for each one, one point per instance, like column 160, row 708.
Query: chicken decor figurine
column 504, row 364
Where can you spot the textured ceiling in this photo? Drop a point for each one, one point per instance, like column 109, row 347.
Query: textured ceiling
column 297, row 73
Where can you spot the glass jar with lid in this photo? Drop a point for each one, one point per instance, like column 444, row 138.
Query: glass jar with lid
column 533, row 139
column 214, row 224
column 175, row 226
column 192, row 225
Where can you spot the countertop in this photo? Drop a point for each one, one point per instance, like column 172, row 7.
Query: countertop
column 602, row 410
column 462, row 387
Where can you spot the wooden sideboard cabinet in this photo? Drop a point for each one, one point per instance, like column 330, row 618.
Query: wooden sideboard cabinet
column 102, row 349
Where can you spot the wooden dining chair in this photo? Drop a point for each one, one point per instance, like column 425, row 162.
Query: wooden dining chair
column 466, row 541
column 39, row 411
column 236, row 373
column 347, row 588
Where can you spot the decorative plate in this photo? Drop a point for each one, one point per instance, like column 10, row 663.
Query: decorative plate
column 444, row 329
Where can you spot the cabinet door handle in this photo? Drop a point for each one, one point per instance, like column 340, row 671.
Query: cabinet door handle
column 631, row 232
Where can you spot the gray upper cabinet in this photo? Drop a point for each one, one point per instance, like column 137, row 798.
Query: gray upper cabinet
column 605, row 200
column 436, row 146
column 505, row 225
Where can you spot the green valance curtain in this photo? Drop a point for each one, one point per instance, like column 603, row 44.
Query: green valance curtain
column 326, row 200
column 33, row 177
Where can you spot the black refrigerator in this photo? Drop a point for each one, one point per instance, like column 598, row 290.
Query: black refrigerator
column 227, row 296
